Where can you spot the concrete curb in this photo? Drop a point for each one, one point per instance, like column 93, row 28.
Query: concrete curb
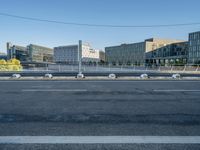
column 97, row 78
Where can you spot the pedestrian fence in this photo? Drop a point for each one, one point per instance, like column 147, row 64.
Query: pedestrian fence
column 105, row 68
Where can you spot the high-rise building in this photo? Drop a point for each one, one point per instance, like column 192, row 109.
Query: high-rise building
column 194, row 48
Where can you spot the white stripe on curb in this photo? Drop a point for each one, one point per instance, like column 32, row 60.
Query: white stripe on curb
column 99, row 139
column 176, row 90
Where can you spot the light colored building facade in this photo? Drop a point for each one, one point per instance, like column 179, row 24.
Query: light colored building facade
column 89, row 55
column 194, row 48
column 134, row 53
column 155, row 43
column 69, row 54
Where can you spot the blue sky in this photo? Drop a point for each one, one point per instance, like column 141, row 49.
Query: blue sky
column 119, row 12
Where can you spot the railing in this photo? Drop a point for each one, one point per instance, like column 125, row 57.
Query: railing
column 104, row 68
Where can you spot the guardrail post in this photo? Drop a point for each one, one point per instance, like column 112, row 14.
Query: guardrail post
column 159, row 68
column 197, row 68
column 172, row 67
column 184, row 68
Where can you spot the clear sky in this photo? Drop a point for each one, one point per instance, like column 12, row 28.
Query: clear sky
column 118, row 12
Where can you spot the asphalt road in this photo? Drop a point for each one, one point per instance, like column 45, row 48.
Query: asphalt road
column 100, row 108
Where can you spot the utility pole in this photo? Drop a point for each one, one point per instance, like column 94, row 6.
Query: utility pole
column 80, row 57
column 80, row 75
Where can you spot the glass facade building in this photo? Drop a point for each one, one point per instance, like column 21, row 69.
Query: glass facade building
column 18, row 52
column 66, row 54
column 134, row 54
column 30, row 53
column 40, row 53
column 176, row 53
column 194, row 48
column 126, row 54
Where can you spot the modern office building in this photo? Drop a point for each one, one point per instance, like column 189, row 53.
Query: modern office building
column 155, row 43
column 194, row 48
column 69, row 54
column 66, row 54
column 89, row 54
column 39, row 53
column 134, row 53
column 125, row 54
column 30, row 53
column 176, row 53
column 16, row 51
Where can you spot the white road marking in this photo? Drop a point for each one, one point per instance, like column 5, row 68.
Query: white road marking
column 176, row 90
column 99, row 139
column 54, row 90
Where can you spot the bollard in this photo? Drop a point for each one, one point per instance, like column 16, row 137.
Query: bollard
column 80, row 76
column 112, row 76
column 16, row 76
column 176, row 76
column 49, row 76
column 144, row 76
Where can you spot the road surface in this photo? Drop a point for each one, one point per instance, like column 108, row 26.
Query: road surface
column 82, row 114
